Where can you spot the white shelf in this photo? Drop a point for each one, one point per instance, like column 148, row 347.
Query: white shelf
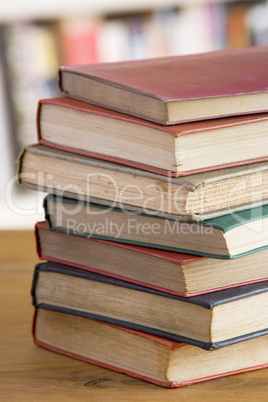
column 14, row 10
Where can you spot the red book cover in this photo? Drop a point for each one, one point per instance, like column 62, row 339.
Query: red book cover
column 180, row 259
column 175, row 131
column 80, row 41
column 166, row 343
column 205, row 76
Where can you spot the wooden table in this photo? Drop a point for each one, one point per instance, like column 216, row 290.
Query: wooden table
column 30, row 373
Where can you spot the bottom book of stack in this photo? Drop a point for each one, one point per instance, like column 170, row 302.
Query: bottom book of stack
column 138, row 354
column 148, row 334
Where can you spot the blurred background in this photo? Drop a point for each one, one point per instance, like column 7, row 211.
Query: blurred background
column 36, row 37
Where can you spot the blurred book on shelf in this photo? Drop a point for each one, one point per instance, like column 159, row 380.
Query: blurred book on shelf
column 237, row 33
column 6, row 164
column 31, row 62
column 257, row 20
column 80, row 40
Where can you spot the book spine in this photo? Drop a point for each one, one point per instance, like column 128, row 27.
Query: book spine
column 37, row 241
column 38, row 114
column 20, row 165
column 46, row 212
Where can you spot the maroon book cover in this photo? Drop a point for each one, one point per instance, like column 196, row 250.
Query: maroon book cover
column 175, row 131
column 204, row 76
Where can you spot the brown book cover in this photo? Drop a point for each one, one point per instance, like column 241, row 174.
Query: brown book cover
column 175, row 89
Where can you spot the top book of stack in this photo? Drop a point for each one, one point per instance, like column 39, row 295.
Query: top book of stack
column 176, row 89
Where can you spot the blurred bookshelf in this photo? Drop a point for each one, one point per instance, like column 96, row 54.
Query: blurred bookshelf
column 13, row 10
column 35, row 38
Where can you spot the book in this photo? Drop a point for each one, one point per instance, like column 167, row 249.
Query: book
column 80, row 40
column 237, row 28
column 227, row 236
column 147, row 357
column 176, row 273
column 8, row 146
column 175, row 89
column 191, row 198
column 176, row 150
column 209, row 321
column 193, row 31
column 258, row 24
column 30, row 56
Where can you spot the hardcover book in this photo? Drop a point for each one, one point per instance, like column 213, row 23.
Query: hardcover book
column 208, row 321
column 228, row 236
column 177, row 150
column 192, row 198
column 175, row 89
column 148, row 357
column 176, row 273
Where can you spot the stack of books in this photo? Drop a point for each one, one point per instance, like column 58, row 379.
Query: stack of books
column 156, row 229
